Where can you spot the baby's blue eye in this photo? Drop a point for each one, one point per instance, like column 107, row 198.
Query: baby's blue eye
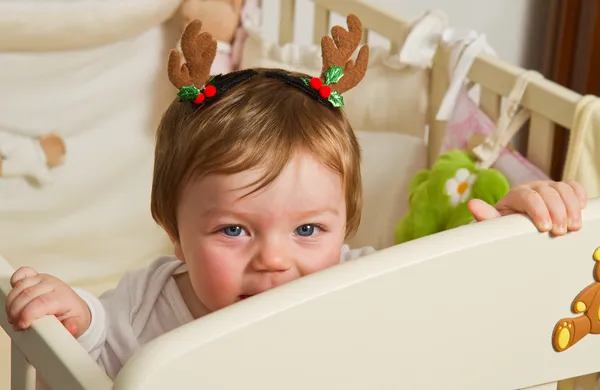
column 306, row 230
column 233, row 231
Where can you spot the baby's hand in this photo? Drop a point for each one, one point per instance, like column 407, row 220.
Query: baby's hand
column 36, row 295
column 553, row 206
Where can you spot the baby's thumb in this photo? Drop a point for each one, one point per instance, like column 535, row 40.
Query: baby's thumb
column 482, row 211
column 72, row 326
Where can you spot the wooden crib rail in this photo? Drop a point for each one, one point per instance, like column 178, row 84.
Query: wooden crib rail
column 550, row 103
column 47, row 346
column 372, row 17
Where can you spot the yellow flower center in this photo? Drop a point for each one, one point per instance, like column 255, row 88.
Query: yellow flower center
column 462, row 187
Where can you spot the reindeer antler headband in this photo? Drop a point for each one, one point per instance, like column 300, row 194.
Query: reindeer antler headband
column 339, row 73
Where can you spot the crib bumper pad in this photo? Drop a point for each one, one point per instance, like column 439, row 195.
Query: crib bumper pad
column 67, row 25
column 92, row 220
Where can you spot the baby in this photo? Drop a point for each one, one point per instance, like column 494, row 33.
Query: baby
column 257, row 181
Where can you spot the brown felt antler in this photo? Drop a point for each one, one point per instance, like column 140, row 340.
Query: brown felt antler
column 337, row 52
column 199, row 51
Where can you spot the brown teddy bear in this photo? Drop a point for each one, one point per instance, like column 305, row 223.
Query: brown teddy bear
column 222, row 19
column 568, row 331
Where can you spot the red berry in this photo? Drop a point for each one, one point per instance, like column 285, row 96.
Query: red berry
column 315, row 83
column 325, row 91
column 210, row 90
column 199, row 99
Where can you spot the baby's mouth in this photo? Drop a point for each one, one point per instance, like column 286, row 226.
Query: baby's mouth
column 246, row 296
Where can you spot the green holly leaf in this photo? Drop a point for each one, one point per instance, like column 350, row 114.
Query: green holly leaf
column 306, row 80
column 336, row 99
column 189, row 92
column 212, row 78
column 333, row 74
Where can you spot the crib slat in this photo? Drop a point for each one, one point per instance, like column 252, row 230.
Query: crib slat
column 321, row 26
column 22, row 373
column 490, row 103
column 540, row 143
column 439, row 83
column 286, row 21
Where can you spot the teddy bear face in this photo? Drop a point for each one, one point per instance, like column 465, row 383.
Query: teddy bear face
column 219, row 17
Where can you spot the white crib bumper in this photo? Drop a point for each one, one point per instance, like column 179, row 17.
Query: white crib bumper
column 66, row 25
column 93, row 220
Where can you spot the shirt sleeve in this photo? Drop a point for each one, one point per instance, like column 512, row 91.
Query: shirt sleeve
column 110, row 339
column 94, row 338
column 120, row 315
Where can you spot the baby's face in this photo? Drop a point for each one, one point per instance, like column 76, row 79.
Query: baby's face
column 238, row 247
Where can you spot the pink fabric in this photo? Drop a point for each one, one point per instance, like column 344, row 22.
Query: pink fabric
column 237, row 47
column 222, row 63
column 229, row 59
column 467, row 120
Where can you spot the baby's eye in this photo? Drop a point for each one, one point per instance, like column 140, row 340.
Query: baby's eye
column 307, row 230
column 233, row 231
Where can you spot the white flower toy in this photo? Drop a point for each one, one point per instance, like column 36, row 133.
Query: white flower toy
column 459, row 187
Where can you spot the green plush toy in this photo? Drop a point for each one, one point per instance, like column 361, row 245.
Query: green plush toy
column 438, row 197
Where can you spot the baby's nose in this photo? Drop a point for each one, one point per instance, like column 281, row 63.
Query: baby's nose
column 272, row 258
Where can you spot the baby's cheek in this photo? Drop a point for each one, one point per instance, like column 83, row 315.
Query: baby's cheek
column 320, row 259
column 220, row 284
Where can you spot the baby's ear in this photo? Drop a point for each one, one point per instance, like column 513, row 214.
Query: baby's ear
column 178, row 251
column 177, row 247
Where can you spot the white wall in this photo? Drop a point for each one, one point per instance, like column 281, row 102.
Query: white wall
column 511, row 26
column 504, row 22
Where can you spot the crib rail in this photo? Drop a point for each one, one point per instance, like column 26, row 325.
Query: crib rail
column 372, row 17
column 549, row 102
column 543, row 96
column 56, row 355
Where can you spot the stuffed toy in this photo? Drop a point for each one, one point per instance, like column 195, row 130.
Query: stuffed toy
column 30, row 157
column 438, row 197
column 221, row 18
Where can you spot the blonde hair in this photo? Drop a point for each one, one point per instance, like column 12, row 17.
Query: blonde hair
column 262, row 122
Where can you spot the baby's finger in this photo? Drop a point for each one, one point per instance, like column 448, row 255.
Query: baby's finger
column 571, row 203
column 39, row 307
column 21, row 273
column 556, row 208
column 22, row 304
column 534, row 206
column 580, row 191
column 19, row 287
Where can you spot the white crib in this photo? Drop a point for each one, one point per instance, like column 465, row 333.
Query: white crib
column 470, row 308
